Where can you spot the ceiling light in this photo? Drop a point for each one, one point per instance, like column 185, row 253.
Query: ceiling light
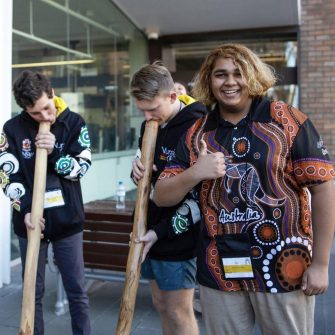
column 152, row 32
column 54, row 63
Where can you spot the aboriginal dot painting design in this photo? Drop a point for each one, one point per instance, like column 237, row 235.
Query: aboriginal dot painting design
column 4, row 179
column 15, row 191
column 289, row 259
column 64, row 165
column 180, row 223
column 266, row 233
column 256, row 252
column 8, row 163
column 3, row 142
column 319, row 170
column 16, row 205
column 84, row 139
column 84, row 166
column 240, row 146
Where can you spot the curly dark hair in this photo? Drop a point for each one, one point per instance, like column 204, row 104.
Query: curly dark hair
column 29, row 87
column 258, row 76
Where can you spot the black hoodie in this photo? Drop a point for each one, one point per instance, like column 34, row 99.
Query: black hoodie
column 67, row 163
column 171, row 247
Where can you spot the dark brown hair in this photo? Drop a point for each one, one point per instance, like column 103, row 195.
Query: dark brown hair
column 258, row 76
column 29, row 87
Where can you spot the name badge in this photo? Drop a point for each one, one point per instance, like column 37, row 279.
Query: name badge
column 53, row 198
column 237, row 267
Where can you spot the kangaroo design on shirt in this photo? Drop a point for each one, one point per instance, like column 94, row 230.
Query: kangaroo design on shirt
column 249, row 184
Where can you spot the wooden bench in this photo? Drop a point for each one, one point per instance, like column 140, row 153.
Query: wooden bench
column 106, row 239
column 105, row 245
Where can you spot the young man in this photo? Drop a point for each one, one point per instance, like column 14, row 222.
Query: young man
column 170, row 264
column 69, row 157
column 263, row 252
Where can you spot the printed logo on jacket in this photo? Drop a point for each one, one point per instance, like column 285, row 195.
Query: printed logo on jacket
column 26, row 149
column 167, row 154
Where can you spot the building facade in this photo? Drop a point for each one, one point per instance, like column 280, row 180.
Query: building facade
column 91, row 49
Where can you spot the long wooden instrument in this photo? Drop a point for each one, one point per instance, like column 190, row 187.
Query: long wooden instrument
column 34, row 238
column 139, row 229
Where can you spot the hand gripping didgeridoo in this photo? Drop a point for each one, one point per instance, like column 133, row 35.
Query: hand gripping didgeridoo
column 34, row 238
column 126, row 311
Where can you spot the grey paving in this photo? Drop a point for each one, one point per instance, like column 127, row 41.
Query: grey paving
column 104, row 307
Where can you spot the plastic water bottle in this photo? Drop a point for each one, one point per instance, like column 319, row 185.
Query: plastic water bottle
column 120, row 196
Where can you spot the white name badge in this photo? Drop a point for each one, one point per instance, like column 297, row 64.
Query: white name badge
column 237, row 267
column 53, row 198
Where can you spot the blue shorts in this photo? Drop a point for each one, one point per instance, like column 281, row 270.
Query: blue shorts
column 170, row 276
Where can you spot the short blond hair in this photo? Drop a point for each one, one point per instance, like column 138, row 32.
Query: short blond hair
column 150, row 81
column 258, row 75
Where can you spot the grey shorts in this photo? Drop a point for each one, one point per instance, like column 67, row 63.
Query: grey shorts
column 170, row 276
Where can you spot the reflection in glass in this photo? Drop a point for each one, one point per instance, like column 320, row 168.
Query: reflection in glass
column 98, row 90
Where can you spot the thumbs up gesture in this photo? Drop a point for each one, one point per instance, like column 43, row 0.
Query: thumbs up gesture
column 203, row 148
column 209, row 165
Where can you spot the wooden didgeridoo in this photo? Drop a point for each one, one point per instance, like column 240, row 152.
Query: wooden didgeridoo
column 34, row 238
column 127, row 306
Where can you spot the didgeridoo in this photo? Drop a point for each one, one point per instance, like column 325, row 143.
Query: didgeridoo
column 34, row 238
column 127, row 306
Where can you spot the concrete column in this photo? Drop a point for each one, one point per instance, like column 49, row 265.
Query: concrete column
column 6, row 10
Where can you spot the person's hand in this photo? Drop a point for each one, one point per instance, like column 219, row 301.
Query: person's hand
column 315, row 279
column 138, row 170
column 46, row 141
column 31, row 226
column 210, row 165
column 149, row 239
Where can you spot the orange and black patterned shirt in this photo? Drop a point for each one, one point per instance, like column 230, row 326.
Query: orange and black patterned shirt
column 277, row 155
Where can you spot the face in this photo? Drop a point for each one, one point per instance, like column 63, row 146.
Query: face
column 159, row 108
column 44, row 110
column 229, row 88
column 180, row 89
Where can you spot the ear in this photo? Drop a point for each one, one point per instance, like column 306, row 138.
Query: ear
column 173, row 97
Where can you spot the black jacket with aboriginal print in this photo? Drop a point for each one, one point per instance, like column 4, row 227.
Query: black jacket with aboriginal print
column 177, row 236
column 69, row 161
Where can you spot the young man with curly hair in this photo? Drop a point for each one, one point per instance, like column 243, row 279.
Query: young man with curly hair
column 268, row 218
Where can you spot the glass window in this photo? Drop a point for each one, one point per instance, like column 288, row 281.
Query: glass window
column 89, row 50
column 84, row 47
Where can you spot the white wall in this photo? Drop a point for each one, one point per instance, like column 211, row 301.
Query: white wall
column 106, row 170
column 6, row 10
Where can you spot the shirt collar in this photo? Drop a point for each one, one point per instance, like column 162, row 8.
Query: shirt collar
column 259, row 112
